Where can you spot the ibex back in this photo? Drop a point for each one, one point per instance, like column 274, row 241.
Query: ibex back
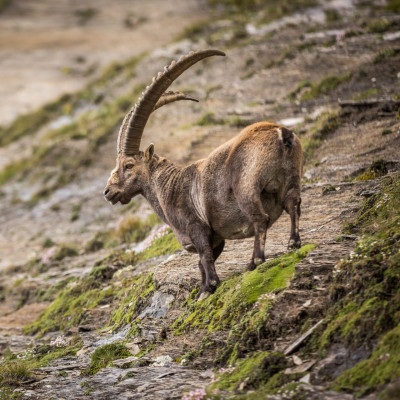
column 239, row 191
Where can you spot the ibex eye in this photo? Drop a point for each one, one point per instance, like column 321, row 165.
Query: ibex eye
column 128, row 166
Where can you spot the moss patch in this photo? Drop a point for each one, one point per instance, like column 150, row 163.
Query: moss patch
column 326, row 123
column 306, row 90
column 240, row 305
column 166, row 244
column 105, row 355
column 133, row 296
column 365, row 294
column 69, row 307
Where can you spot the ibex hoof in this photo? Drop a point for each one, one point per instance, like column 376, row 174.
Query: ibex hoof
column 294, row 244
column 203, row 296
column 258, row 261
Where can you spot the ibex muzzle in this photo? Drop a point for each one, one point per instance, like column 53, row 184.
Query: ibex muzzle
column 239, row 191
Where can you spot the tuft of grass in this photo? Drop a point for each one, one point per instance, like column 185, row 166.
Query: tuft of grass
column 379, row 25
column 84, row 15
column 134, row 229
column 166, row 244
column 65, row 250
column 208, row 119
column 332, row 15
column 298, row 89
column 105, row 355
column 385, row 54
column 386, row 132
column 15, row 372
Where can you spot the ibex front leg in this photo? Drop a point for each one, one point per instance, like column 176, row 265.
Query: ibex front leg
column 202, row 240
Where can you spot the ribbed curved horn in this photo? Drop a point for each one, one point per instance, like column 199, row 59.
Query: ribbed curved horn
column 135, row 121
column 166, row 98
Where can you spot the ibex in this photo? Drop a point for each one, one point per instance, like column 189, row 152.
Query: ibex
column 239, row 191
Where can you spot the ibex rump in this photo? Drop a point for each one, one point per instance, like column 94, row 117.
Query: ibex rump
column 238, row 191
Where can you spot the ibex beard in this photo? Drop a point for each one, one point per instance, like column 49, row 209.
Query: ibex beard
column 238, row 191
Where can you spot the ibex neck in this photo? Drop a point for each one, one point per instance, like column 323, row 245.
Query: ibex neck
column 164, row 177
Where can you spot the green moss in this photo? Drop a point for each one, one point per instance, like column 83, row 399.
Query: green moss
column 326, row 123
column 166, row 244
column 324, row 86
column 69, row 307
column 385, row 54
column 133, row 295
column 104, row 356
column 254, row 370
column 134, row 229
column 365, row 294
column 208, row 119
column 65, row 250
column 234, row 299
column 382, row 367
column 298, row 89
column 377, row 169
column 379, row 25
column 28, row 124
column 366, row 94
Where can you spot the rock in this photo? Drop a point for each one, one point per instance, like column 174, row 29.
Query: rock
column 161, row 361
column 124, row 362
column 133, row 348
column 305, row 379
column 300, row 368
column 297, row 343
column 297, row 360
column 159, row 305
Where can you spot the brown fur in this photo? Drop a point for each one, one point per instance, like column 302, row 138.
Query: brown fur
column 238, row 191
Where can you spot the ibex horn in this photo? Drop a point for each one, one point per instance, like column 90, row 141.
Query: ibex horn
column 135, row 121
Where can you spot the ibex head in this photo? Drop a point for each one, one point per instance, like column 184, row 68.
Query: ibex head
column 131, row 174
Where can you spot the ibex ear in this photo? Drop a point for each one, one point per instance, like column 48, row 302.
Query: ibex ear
column 149, row 153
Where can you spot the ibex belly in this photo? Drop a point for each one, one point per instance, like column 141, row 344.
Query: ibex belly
column 234, row 224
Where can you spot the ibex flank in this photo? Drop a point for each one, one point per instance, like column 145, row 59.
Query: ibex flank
column 238, row 191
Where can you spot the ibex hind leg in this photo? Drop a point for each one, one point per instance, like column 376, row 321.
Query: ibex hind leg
column 252, row 207
column 292, row 207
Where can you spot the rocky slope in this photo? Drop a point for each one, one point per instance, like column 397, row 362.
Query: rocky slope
column 81, row 317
